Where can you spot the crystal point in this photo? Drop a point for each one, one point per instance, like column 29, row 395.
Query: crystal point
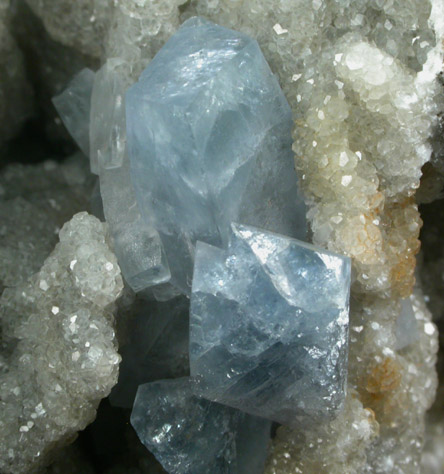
column 269, row 326
column 209, row 139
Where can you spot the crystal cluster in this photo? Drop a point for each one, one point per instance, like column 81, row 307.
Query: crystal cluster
column 269, row 326
column 59, row 355
column 360, row 77
column 193, row 435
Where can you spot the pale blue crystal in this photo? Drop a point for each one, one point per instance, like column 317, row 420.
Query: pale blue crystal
column 191, row 435
column 73, row 106
column 406, row 329
column 269, row 326
column 209, row 139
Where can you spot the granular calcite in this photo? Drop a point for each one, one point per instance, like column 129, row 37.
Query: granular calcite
column 35, row 201
column 59, row 355
column 81, row 24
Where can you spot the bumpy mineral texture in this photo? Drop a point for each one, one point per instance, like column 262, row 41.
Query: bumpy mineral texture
column 58, row 349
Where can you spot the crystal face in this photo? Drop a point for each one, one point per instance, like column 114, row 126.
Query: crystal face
column 188, row 434
column 269, row 326
column 209, row 140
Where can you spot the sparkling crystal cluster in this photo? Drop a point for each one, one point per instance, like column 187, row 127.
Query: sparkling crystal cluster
column 269, row 326
column 59, row 354
column 360, row 77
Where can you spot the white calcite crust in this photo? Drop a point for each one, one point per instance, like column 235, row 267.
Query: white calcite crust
column 59, row 356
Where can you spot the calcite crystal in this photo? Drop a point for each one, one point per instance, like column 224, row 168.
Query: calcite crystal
column 188, row 434
column 59, row 354
column 208, row 133
column 269, row 326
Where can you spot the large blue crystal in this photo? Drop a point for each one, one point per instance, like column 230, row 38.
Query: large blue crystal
column 209, row 139
column 269, row 326
column 191, row 435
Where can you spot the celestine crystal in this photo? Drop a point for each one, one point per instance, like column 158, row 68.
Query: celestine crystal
column 209, row 140
column 269, row 326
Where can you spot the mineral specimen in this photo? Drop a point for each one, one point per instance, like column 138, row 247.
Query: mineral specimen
column 59, row 354
column 192, row 435
column 208, row 133
column 156, row 347
column 269, row 326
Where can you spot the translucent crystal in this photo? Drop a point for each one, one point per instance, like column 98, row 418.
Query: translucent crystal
column 269, row 326
column 209, row 140
column 93, row 108
column 406, row 326
column 73, row 106
column 188, row 434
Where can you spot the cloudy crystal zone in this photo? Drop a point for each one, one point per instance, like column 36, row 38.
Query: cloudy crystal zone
column 269, row 326
column 191, row 435
column 209, row 139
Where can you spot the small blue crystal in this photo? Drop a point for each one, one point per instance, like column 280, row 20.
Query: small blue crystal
column 191, row 435
column 209, row 140
column 406, row 329
column 269, row 326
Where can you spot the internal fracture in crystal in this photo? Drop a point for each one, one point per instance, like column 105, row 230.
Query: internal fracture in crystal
column 269, row 326
column 209, row 139
column 191, row 435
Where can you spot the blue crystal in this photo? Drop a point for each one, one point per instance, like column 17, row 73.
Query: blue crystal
column 191, row 435
column 269, row 326
column 73, row 106
column 156, row 347
column 406, row 329
column 209, row 140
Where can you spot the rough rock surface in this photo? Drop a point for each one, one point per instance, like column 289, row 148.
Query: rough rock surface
column 15, row 92
column 58, row 349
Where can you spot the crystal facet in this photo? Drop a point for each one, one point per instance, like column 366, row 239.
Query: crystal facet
column 209, row 139
column 191, row 435
column 269, row 326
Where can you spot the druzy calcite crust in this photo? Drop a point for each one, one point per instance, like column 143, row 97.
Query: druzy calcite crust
column 209, row 140
column 269, row 326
